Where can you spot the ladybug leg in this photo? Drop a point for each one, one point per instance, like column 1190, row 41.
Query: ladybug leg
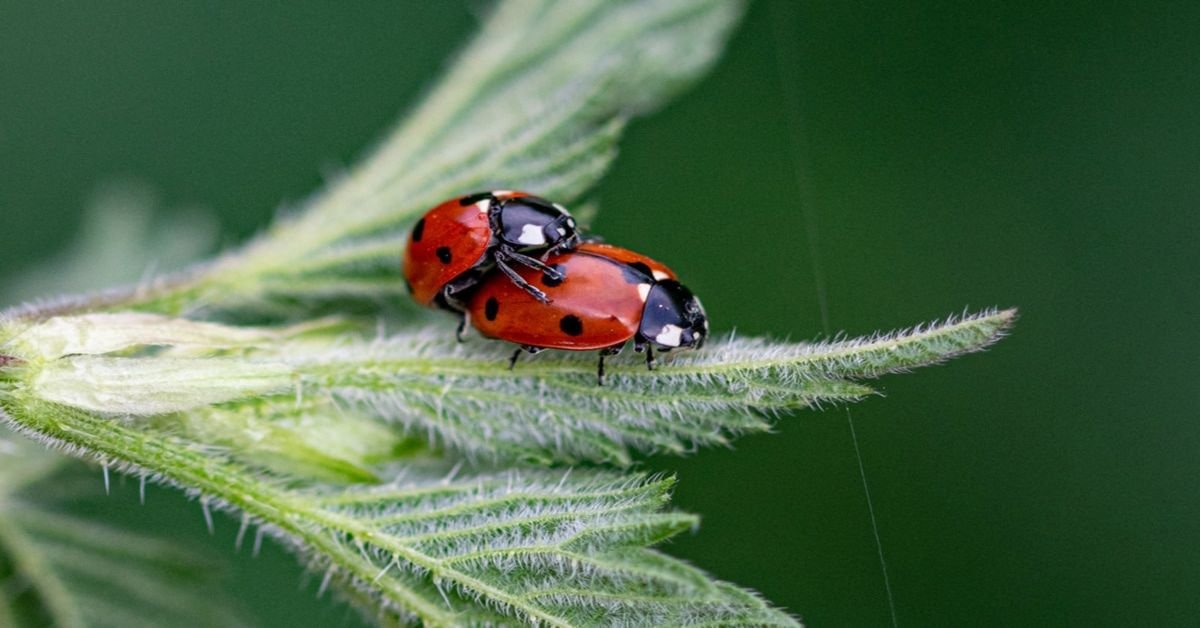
column 464, row 317
column 641, row 345
column 535, row 264
column 600, row 367
column 512, row 362
column 567, row 244
column 448, row 298
column 520, row 281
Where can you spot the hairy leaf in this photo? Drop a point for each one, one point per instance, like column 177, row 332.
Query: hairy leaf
column 553, row 548
column 57, row 569
column 551, row 408
column 466, row 398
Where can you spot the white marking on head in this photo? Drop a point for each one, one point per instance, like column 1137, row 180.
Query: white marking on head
column 669, row 336
column 532, row 235
column 561, row 231
column 644, row 291
column 660, row 275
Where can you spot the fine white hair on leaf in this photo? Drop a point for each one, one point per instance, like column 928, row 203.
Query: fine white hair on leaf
column 526, row 542
column 330, row 404
column 550, row 408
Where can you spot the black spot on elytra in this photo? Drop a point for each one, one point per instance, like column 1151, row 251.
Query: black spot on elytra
column 491, row 308
column 552, row 282
column 471, row 199
column 443, row 253
column 571, row 325
column 418, row 230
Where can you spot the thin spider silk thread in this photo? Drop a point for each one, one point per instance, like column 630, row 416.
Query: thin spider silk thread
column 781, row 22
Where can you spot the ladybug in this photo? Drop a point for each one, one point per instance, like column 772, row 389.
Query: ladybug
column 455, row 244
column 606, row 296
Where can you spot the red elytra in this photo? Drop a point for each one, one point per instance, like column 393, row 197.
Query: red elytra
column 654, row 268
column 607, row 296
column 458, row 242
column 600, row 294
column 454, row 231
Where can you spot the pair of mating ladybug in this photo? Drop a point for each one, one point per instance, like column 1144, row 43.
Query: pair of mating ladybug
column 515, row 266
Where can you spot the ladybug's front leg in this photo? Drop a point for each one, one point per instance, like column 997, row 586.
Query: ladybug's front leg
column 518, row 279
column 568, row 244
column 640, row 345
column 532, row 262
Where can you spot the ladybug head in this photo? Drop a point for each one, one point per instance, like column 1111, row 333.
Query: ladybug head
column 530, row 223
column 673, row 317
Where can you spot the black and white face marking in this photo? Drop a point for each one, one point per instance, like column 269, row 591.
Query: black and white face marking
column 530, row 222
column 673, row 317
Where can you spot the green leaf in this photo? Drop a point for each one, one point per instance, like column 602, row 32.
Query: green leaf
column 549, row 409
column 553, row 548
column 61, row 570
column 548, row 548
column 70, row 571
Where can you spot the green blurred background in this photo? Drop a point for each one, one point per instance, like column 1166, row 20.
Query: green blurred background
column 951, row 155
